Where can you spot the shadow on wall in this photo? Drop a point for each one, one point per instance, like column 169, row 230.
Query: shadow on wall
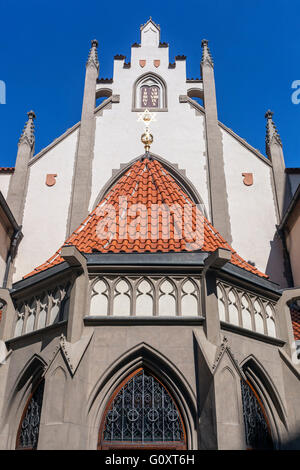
column 277, row 266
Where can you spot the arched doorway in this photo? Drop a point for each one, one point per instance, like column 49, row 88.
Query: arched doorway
column 142, row 414
column 257, row 427
column 28, row 432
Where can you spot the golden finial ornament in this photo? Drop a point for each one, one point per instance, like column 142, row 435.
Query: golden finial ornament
column 147, row 138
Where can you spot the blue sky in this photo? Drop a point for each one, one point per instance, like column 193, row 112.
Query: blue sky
column 255, row 45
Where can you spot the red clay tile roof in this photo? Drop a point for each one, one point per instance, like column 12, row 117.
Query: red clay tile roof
column 296, row 323
column 6, row 169
column 147, row 182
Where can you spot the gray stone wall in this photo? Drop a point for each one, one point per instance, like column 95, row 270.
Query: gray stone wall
column 207, row 390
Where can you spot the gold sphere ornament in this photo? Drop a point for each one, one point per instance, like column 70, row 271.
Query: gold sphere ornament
column 147, row 140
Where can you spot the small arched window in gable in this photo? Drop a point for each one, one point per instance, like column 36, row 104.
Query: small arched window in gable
column 150, row 93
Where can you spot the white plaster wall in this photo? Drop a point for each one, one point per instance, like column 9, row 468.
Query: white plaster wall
column 46, row 208
column 251, row 208
column 178, row 133
column 4, row 183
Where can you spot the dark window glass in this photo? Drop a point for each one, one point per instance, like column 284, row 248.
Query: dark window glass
column 143, row 411
column 28, row 433
column 256, row 425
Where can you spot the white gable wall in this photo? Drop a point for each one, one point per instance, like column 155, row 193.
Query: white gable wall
column 252, row 208
column 178, row 133
column 47, row 207
column 4, row 183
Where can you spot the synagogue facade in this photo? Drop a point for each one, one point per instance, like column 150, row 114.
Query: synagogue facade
column 147, row 284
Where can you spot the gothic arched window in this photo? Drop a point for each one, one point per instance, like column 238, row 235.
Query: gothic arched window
column 28, row 433
column 142, row 414
column 257, row 428
column 149, row 93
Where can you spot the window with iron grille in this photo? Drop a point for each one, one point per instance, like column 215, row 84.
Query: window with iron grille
column 257, row 428
column 28, row 432
column 142, row 413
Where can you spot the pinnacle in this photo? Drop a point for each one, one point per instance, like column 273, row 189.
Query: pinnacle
column 93, row 54
column 31, row 115
column 269, row 114
column 272, row 133
column 27, row 135
column 206, row 54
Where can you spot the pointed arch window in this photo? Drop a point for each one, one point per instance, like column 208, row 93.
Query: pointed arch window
column 21, row 310
column 150, row 93
column 99, row 299
column 190, row 298
column 221, row 302
column 28, row 433
column 259, row 321
column 122, row 298
column 144, row 298
column 270, row 321
column 142, row 414
column 233, row 307
column 257, row 428
column 246, row 312
column 167, row 298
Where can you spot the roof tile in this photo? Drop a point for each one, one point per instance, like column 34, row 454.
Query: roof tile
column 296, row 323
column 159, row 230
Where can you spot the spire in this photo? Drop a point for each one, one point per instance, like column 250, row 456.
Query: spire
column 17, row 189
column 93, row 54
column 274, row 151
column 272, row 134
column 28, row 131
column 206, row 54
